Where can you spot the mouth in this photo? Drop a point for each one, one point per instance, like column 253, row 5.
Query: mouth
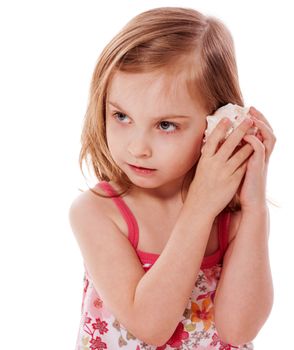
column 139, row 167
column 141, row 171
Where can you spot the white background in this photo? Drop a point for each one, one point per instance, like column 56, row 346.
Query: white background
column 48, row 52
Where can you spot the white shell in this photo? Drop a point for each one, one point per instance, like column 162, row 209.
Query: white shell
column 234, row 112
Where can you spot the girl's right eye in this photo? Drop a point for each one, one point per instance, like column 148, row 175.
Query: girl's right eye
column 119, row 116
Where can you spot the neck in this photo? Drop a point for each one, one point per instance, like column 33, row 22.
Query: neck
column 173, row 192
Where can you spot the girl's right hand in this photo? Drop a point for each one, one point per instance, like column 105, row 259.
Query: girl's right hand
column 220, row 170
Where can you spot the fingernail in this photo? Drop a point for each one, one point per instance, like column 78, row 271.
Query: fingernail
column 226, row 121
column 253, row 110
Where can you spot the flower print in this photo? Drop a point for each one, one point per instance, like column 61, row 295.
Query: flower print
column 205, row 296
column 121, row 341
column 215, row 339
column 85, row 342
column 187, row 313
column 100, row 325
column 97, row 344
column 223, row 346
column 203, row 314
column 212, row 274
column 90, row 327
column 86, row 319
column 210, row 295
column 175, row 340
column 116, row 324
column 130, row 336
column 98, row 303
column 200, row 279
column 97, row 307
column 203, row 289
column 86, row 283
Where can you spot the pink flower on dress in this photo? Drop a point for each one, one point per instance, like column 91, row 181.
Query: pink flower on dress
column 97, row 344
column 212, row 275
column 86, row 319
column 100, row 325
column 96, row 307
column 175, row 340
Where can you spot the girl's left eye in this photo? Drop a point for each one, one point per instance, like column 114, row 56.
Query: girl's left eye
column 165, row 124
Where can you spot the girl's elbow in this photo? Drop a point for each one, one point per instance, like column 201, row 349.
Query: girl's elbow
column 161, row 337
column 237, row 339
column 236, row 335
column 154, row 340
column 154, row 337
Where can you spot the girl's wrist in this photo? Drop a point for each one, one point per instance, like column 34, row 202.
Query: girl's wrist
column 255, row 208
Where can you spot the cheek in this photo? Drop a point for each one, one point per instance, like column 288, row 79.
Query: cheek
column 192, row 148
column 193, row 141
column 115, row 133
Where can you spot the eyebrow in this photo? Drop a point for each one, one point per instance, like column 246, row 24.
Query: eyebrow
column 167, row 116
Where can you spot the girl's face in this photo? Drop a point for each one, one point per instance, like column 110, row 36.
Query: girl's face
column 153, row 122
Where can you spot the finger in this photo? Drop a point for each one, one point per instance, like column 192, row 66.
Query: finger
column 234, row 139
column 239, row 176
column 259, row 148
column 258, row 115
column 239, row 157
column 241, row 171
column 217, row 135
column 266, row 136
column 263, row 128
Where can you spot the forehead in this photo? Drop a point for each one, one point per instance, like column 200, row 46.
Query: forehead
column 159, row 89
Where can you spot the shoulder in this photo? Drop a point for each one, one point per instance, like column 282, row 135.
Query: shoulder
column 88, row 206
column 93, row 198
column 93, row 226
column 87, row 198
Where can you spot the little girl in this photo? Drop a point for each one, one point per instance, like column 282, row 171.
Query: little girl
column 169, row 262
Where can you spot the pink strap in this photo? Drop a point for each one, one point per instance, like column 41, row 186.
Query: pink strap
column 133, row 229
column 223, row 230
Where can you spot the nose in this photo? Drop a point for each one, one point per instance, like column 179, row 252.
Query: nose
column 139, row 148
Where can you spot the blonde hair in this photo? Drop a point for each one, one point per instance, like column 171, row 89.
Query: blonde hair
column 159, row 39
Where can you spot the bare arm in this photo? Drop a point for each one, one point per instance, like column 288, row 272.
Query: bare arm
column 163, row 292
column 245, row 288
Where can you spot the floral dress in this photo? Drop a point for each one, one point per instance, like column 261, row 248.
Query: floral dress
column 99, row 329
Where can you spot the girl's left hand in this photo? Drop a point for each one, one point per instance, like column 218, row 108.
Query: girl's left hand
column 253, row 189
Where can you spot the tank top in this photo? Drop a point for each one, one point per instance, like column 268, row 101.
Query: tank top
column 99, row 329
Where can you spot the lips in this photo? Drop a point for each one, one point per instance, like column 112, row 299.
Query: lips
column 139, row 167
